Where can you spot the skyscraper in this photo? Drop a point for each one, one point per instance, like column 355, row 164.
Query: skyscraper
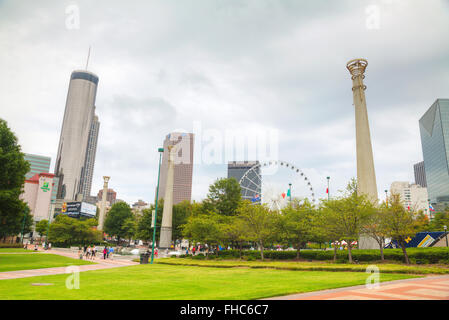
column 78, row 140
column 434, row 129
column 183, row 166
column 38, row 164
column 251, row 185
column 420, row 174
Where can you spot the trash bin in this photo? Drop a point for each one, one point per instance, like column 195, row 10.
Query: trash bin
column 144, row 258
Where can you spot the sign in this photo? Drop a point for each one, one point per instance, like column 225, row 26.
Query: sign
column 45, row 187
column 77, row 209
column 426, row 241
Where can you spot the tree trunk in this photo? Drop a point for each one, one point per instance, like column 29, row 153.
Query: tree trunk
column 261, row 249
column 297, row 251
column 381, row 245
column 335, row 253
column 404, row 250
column 349, row 253
column 241, row 250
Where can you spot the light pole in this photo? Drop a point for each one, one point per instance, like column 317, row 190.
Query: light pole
column 445, row 234
column 386, row 197
column 328, row 191
column 23, row 223
column 160, row 150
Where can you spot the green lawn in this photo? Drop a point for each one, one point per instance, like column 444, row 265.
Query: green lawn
column 26, row 261
column 14, row 250
column 161, row 281
column 310, row 266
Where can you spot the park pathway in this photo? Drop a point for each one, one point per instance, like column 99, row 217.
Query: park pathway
column 100, row 264
column 428, row 288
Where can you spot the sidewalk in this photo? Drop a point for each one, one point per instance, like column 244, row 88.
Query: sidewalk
column 428, row 288
column 100, row 264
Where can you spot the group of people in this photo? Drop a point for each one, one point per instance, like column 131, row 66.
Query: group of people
column 90, row 252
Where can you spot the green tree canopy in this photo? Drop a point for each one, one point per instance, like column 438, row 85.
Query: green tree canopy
column 116, row 218
column 224, row 196
column 41, row 227
column 13, row 168
column 73, row 231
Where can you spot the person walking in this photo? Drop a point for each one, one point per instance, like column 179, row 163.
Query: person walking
column 80, row 254
column 89, row 250
column 105, row 250
column 94, row 252
column 111, row 252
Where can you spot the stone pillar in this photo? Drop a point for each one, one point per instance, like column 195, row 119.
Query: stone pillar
column 103, row 203
column 366, row 178
column 167, row 214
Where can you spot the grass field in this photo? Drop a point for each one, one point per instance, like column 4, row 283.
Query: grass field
column 14, row 250
column 26, row 261
column 309, row 266
column 164, row 282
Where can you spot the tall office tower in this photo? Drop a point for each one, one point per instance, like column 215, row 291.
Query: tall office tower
column 90, row 158
column 183, row 162
column 420, row 174
column 366, row 177
column 413, row 196
column 434, row 129
column 74, row 162
column 111, row 196
column 251, row 185
column 38, row 164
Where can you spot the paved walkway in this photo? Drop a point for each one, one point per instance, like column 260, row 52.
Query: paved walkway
column 428, row 288
column 100, row 264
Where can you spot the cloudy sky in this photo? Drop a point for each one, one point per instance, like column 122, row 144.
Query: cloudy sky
column 252, row 68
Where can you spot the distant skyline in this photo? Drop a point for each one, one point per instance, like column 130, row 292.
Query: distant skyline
column 265, row 66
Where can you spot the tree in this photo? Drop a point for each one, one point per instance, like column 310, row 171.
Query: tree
column 296, row 224
column 181, row 213
column 399, row 223
column 375, row 227
column 13, row 168
column 259, row 222
column 73, row 231
column 224, row 196
column 347, row 214
column 440, row 220
column 203, row 229
column 115, row 219
column 41, row 227
column 233, row 231
column 129, row 228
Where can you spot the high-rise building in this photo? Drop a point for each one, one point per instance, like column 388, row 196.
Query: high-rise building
column 183, row 166
column 251, row 187
column 38, row 164
column 413, row 196
column 420, row 174
column 111, row 197
column 90, row 158
column 41, row 164
column 434, row 129
column 78, row 140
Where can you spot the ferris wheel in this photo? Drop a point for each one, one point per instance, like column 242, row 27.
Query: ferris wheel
column 262, row 184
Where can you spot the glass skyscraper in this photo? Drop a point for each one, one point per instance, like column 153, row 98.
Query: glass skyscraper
column 434, row 129
column 251, row 187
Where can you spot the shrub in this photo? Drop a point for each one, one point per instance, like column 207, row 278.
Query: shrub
column 11, row 245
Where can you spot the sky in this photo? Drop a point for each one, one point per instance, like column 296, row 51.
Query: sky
column 270, row 72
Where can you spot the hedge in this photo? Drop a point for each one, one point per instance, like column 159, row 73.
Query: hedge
column 416, row 255
column 11, row 245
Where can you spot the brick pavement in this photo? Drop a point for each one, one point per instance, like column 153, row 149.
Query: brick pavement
column 100, row 264
column 428, row 288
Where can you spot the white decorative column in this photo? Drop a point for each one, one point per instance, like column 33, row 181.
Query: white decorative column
column 366, row 177
column 167, row 214
column 103, row 203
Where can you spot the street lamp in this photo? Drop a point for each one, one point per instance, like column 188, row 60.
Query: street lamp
column 328, row 191
column 49, row 219
column 160, row 150
column 386, row 197
column 445, row 233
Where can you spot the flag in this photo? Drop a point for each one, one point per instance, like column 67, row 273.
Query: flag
column 431, row 208
column 408, row 208
column 288, row 193
column 327, row 190
column 283, row 195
